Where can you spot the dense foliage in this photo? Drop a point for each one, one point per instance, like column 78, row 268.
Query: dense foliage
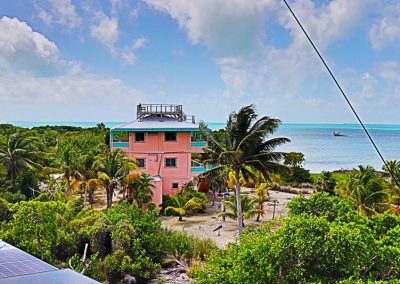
column 348, row 232
column 298, row 174
column 324, row 240
column 122, row 240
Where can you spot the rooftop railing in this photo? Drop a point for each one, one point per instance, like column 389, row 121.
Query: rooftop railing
column 175, row 111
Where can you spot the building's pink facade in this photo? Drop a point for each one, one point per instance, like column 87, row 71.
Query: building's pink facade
column 163, row 146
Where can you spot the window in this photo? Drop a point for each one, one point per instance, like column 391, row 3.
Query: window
column 170, row 162
column 140, row 163
column 120, row 137
column 139, row 137
column 175, row 185
column 170, row 136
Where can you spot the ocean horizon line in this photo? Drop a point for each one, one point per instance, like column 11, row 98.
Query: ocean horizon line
column 217, row 122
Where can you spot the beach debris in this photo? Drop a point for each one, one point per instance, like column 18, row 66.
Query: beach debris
column 129, row 279
column 218, row 229
column 274, row 203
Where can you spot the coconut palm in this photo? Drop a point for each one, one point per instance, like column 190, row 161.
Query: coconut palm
column 113, row 166
column 89, row 181
column 181, row 205
column 365, row 189
column 393, row 168
column 68, row 160
column 141, row 190
column 18, row 153
column 261, row 193
column 245, row 145
column 248, row 207
column 216, row 183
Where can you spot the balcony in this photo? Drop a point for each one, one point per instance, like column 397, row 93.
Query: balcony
column 120, row 144
column 198, row 169
column 199, row 144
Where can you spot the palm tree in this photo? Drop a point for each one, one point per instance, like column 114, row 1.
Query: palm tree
column 326, row 183
column 141, row 190
column 19, row 152
column 245, row 145
column 261, row 193
column 393, row 168
column 365, row 190
column 88, row 179
column 181, row 206
column 69, row 163
column 113, row 166
column 216, row 183
column 248, row 207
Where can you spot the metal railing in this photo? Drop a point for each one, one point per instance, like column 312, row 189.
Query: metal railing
column 175, row 111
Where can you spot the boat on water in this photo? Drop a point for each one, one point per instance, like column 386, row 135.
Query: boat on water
column 338, row 134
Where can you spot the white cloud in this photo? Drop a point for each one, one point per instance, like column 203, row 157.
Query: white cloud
column 140, row 42
column 325, row 23
column 106, row 30
column 61, row 12
column 117, row 5
column 128, row 56
column 389, row 71
column 387, row 30
column 22, row 48
column 237, row 32
column 35, row 77
column 223, row 26
column 44, row 16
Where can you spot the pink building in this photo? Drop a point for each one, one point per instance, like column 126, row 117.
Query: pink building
column 162, row 140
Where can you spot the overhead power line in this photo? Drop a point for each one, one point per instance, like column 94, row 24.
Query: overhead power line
column 343, row 93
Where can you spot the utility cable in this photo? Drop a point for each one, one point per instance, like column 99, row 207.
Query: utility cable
column 343, row 94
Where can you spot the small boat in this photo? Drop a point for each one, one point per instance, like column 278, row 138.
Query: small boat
column 338, row 134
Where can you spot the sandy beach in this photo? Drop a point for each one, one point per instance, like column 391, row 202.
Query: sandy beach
column 203, row 225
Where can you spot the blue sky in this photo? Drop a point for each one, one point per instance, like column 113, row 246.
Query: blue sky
column 94, row 60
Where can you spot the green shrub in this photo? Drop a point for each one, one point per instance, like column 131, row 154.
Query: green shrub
column 298, row 175
column 5, row 211
column 189, row 248
column 325, row 183
column 40, row 229
column 306, row 249
column 43, row 197
column 28, row 183
column 93, row 227
column 13, row 197
column 323, row 204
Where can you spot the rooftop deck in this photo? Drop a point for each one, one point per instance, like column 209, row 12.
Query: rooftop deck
column 174, row 111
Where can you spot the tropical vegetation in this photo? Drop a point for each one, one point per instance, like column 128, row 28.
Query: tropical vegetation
column 243, row 148
column 50, row 177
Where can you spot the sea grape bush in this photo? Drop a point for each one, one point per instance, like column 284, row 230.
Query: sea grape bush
column 323, row 240
column 122, row 240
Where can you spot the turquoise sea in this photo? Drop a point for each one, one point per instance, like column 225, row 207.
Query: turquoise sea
column 322, row 150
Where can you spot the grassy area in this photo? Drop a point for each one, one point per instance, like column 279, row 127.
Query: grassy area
column 336, row 176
